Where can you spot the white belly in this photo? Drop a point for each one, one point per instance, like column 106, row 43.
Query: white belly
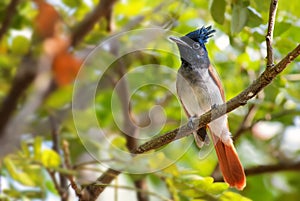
column 199, row 98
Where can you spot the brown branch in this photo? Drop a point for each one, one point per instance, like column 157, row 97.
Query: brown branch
column 21, row 82
column 62, row 187
column 130, row 131
column 87, row 24
column 262, row 169
column 92, row 191
column 56, row 185
column 246, row 123
column 273, row 168
column 241, row 99
column 9, row 13
column 269, row 36
column 268, row 118
column 67, row 163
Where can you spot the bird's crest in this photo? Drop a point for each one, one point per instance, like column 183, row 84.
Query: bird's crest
column 201, row 35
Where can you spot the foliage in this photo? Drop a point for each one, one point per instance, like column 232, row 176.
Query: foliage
column 269, row 134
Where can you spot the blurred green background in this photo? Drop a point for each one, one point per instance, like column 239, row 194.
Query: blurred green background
column 266, row 131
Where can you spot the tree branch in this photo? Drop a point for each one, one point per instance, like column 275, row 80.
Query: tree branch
column 269, row 36
column 267, row 169
column 241, row 99
column 67, row 163
column 87, row 24
column 273, row 168
column 62, row 186
column 93, row 190
column 24, row 77
column 246, row 123
column 9, row 13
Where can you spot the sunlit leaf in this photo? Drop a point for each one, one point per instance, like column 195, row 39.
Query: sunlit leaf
column 72, row 3
column 218, row 188
column 20, row 45
column 231, row 196
column 50, row 158
column 254, row 19
column 217, row 10
column 37, row 148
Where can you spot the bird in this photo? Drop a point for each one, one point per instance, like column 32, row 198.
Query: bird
column 199, row 89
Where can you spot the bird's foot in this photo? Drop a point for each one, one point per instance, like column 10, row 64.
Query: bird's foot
column 214, row 106
column 191, row 122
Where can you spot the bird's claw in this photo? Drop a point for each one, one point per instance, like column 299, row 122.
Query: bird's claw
column 214, row 106
column 191, row 122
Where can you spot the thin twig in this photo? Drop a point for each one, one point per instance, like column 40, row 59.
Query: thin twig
column 271, row 117
column 247, row 121
column 273, row 168
column 9, row 13
column 79, row 165
column 68, row 165
column 269, row 36
column 54, row 180
column 268, row 169
column 61, row 188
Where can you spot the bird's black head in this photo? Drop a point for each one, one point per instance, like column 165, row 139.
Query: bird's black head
column 192, row 46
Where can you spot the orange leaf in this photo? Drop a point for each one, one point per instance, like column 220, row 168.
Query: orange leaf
column 65, row 68
column 46, row 19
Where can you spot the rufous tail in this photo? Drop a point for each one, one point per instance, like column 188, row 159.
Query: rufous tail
column 230, row 165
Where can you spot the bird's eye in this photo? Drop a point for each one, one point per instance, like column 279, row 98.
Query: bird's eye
column 196, row 46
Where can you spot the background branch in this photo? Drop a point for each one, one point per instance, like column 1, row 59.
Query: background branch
column 103, row 9
column 269, row 36
column 272, row 168
column 267, row 169
column 9, row 13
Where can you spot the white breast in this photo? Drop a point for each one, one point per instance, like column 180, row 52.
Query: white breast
column 198, row 97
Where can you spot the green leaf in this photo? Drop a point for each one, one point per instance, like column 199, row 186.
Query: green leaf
column 50, row 158
column 20, row 45
column 72, row 3
column 11, row 168
column 25, row 149
column 231, row 196
column 50, row 187
column 60, row 98
column 254, row 19
column 239, row 17
column 37, row 147
column 218, row 188
column 217, row 10
column 173, row 189
column 21, row 177
column 119, row 142
column 281, row 27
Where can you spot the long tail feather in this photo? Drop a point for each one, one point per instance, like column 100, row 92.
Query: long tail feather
column 230, row 165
